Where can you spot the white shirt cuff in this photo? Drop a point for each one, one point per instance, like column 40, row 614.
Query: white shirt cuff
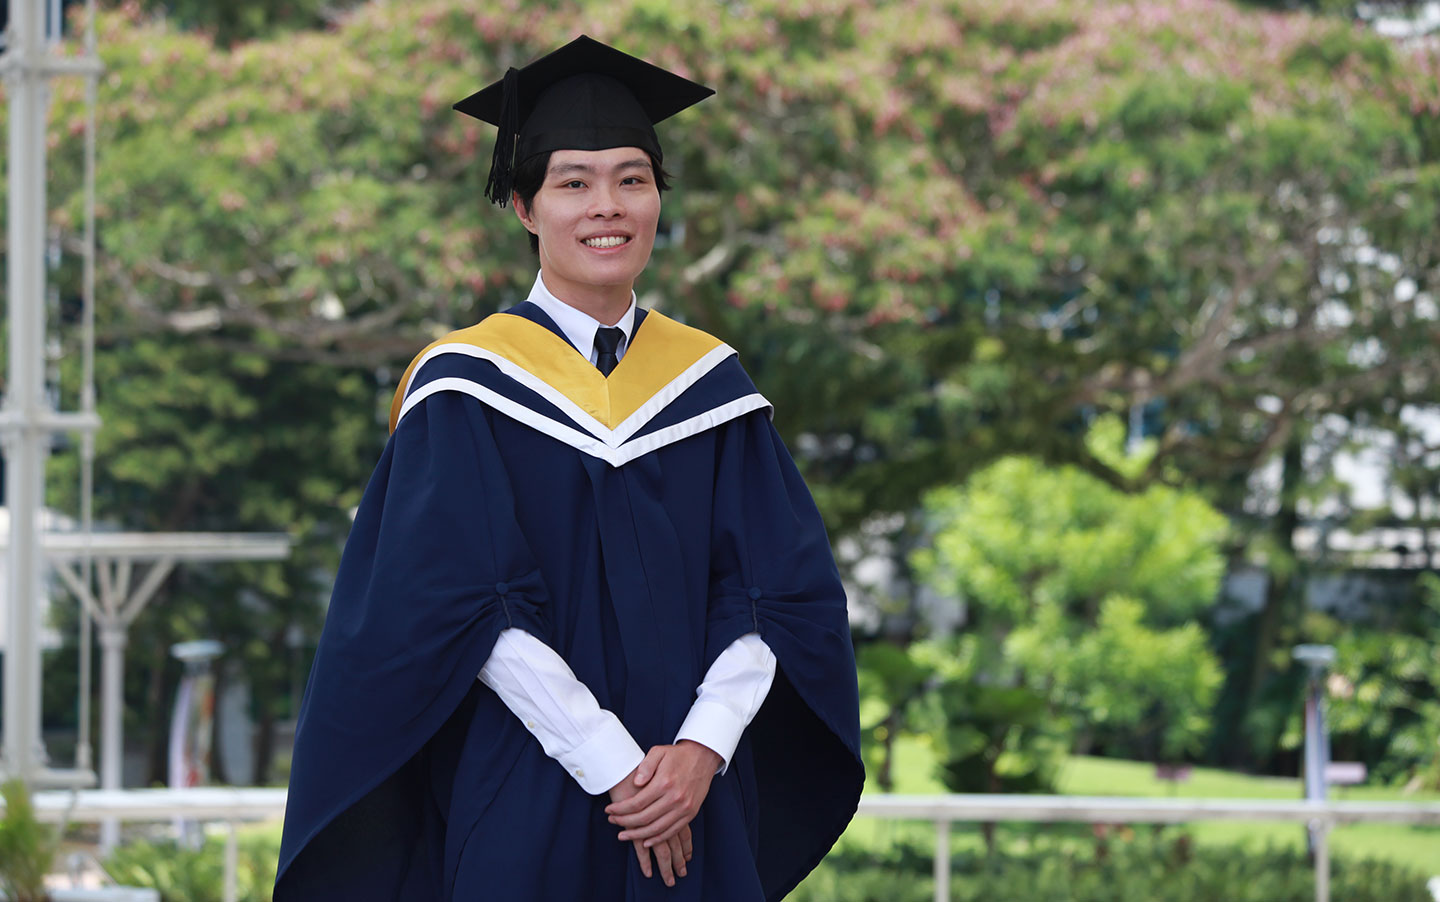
column 715, row 726
column 604, row 759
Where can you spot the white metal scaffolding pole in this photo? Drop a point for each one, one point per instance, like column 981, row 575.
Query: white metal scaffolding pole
column 28, row 422
column 24, row 435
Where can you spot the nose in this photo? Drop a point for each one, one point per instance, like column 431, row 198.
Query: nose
column 606, row 203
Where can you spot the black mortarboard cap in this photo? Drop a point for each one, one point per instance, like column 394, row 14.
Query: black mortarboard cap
column 584, row 96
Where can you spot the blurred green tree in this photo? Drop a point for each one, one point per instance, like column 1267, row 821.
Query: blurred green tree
column 231, row 23
column 933, row 240
column 1086, row 598
column 200, row 440
column 892, row 683
column 936, row 238
column 1385, row 693
column 1349, row 8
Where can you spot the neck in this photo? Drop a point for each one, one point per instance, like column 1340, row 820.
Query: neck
column 604, row 303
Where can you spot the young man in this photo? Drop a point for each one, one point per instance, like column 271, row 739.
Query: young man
column 586, row 505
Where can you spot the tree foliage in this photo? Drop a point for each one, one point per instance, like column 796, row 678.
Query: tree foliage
column 1385, row 693
column 1087, row 598
column 994, row 732
column 937, row 237
column 230, row 23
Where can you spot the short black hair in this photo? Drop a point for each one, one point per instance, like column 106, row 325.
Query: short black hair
column 530, row 176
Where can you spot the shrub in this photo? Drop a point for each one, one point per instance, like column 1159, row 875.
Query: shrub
column 27, row 847
column 183, row 874
column 1082, row 603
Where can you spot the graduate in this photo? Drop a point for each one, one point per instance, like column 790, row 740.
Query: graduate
column 588, row 640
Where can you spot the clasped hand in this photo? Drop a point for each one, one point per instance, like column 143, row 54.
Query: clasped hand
column 655, row 804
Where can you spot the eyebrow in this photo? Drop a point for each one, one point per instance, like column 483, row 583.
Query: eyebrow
column 587, row 169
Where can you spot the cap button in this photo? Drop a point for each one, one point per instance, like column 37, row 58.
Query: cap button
column 502, row 588
column 755, row 593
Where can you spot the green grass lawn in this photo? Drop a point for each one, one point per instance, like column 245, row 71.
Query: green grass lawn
column 914, row 773
column 1419, row 846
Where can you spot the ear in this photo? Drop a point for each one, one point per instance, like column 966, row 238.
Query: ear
column 522, row 213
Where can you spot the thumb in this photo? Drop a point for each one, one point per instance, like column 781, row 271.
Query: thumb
column 646, row 770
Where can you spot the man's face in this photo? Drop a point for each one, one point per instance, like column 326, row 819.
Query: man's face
column 595, row 214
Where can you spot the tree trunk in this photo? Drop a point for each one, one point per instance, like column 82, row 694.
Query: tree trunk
column 1284, row 586
column 884, row 777
column 987, row 828
column 263, row 702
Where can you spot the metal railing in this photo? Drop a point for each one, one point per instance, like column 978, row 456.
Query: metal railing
column 943, row 810
column 233, row 806
column 209, row 803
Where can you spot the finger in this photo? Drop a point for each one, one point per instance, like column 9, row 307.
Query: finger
column 662, row 829
column 647, row 767
column 658, row 821
column 645, row 813
column 643, row 854
column 643, row 817
column 662, row 858
column 677, row 855
column 638, row 802
column 647, row 822
column 668, row 833
column 686, row 843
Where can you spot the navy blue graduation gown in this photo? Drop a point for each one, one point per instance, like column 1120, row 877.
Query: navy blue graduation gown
column 638, row 525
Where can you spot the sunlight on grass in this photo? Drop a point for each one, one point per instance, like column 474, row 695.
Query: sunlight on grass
column 914, row 768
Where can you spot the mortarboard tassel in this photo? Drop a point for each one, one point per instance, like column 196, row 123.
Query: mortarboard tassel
column 502, row 162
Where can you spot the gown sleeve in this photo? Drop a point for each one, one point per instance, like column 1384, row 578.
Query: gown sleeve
column 773, row 573
column 434, row 569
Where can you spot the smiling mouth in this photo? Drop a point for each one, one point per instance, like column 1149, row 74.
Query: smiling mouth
column 606, row 241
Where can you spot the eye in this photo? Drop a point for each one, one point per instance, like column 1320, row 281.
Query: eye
column 573, row 183
column 632, row 180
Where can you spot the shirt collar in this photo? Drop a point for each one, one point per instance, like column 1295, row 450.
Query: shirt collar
column 579, row 327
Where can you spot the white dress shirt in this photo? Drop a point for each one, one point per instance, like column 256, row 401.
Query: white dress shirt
column 579, row 326
column 591, row 744
column 561, row 712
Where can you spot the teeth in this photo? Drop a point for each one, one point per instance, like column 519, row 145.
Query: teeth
column 607, row 241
